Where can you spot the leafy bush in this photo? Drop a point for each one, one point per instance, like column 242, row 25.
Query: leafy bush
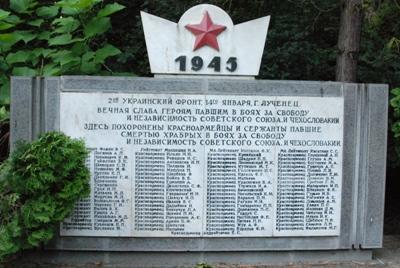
column 46, row 38
column 395, row 103
column 203, row 265
column 39, row 185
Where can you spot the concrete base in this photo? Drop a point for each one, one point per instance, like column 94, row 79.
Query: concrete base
column 188, row 259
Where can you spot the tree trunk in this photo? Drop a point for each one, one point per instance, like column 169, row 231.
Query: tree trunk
column 349, row 40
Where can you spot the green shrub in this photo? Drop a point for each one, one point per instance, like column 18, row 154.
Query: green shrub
column 203, row 265
column 395, row 103
column 39, row 185
column 47, row 38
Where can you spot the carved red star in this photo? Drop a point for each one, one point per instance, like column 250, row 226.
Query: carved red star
column 206, row 32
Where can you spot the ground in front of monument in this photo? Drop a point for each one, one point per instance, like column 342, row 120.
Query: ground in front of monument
column 388, row 256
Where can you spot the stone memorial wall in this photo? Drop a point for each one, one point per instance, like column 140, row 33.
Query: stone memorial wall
column 210, row 170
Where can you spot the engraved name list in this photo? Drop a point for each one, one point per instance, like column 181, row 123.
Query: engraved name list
column 172, row 165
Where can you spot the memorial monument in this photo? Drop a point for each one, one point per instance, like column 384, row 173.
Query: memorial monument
column 203, row 163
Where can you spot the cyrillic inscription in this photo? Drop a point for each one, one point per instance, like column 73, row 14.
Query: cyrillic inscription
column 204, row 165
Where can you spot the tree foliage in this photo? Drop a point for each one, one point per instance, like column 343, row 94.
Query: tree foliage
column 380, row 60
column 47, row 38
column 39, row 185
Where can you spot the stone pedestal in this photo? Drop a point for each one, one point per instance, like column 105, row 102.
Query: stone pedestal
column 313, row 151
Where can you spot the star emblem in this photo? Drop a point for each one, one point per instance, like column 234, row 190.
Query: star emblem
column 206, row 32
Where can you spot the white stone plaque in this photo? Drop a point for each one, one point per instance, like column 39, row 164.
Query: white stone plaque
column 204, row 42
column 170, row 165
